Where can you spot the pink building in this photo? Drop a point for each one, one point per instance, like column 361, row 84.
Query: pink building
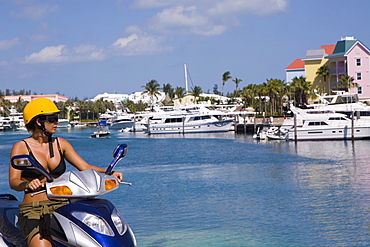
column 54, row 97
column 351, row 57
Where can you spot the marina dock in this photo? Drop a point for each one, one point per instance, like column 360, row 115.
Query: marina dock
column 251, row 127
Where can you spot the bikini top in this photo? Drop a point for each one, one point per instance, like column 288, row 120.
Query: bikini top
column 59, row 170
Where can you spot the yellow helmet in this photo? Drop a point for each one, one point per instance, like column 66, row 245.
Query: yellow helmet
column 39, row 107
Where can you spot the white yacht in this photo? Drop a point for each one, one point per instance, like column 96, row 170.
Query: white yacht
column 187, row 123
column 121, row 122
column 315, row 124
column 6, row 125
column 63, row 123
column 13, row 122
column 342, row 102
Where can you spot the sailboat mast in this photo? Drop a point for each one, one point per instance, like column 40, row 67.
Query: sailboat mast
column 186, row 78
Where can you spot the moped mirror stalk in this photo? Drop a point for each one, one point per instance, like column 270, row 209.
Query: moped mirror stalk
column 118, row 154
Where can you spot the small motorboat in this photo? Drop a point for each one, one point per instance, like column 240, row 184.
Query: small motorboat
column 100, row 133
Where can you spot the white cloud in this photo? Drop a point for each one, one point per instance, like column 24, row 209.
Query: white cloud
column 123, row 42
column 186, row 20
column 248, row 6
column 138, row 44
column 7, row 44
column 183, row 16
column 154, row 3
column 86, row 53
column 61, row 54
column 53, row 54
column 206, row 17
column 133, row 45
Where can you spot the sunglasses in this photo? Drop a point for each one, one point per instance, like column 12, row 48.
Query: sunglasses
column 52, row 119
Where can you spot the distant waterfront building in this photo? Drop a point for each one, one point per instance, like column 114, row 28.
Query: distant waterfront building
column 314, row 59
column 134, row 97
column 308, row 66
column 54, row 97
column 351, row 57
column 295, row 69
column 348, row 57
column 115, row 98
column 189, row 99
column 144, row 97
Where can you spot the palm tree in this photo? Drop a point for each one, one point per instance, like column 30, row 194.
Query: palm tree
column 301, row 88
column 80, row 106
column 171, row 94
column 152, row 89
column 248, row 95
column 135, row 107
column 180, row 92
column 275, row 90
column 5, row 105
column 62, row 106
column 166, row 88
column 323, row 72
column 236, row 81
column 225, row 77
column 196, row 92
column 261, row 91
column 168, row 91
column 347, row 82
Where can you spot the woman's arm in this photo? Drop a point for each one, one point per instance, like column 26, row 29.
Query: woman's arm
column 15, row 181
column 75, row 159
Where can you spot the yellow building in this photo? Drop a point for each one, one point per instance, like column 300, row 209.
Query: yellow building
column 314, row 59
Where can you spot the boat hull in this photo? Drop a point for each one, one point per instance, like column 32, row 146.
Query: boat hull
column 217, row 126
column 122, row 125
column 100, row 134
column 340, row 133
column 64, row 123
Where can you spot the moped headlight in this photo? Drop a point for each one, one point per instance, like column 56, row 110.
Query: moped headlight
column 95, row 222
column 119, row 222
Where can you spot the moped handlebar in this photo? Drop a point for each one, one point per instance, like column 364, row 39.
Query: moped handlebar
column 38, row 192
column 125, row 183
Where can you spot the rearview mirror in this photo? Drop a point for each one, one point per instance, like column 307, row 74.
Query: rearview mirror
column 118, row 153
column 26, row 163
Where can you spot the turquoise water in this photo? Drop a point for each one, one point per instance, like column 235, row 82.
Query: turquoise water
column 230, row 190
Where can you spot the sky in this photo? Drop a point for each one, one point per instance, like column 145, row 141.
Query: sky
column 82, row 48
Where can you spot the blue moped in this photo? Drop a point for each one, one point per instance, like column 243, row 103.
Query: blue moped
column 85, row 220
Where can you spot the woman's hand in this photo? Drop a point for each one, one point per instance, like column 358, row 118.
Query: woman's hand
column 118, row 175
column 35, row 184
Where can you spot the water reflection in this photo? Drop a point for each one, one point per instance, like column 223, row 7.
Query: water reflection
column 335, row 188
column 229, row 190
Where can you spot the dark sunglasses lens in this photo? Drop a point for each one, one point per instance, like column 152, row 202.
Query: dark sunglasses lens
column 52, row 119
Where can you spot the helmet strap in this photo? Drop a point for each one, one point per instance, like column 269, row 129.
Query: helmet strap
column 50, row 139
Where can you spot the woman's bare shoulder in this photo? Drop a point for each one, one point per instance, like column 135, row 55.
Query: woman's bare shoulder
column 19, row 143
column 19, row 148
column 64, row 143
column 62, row 140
